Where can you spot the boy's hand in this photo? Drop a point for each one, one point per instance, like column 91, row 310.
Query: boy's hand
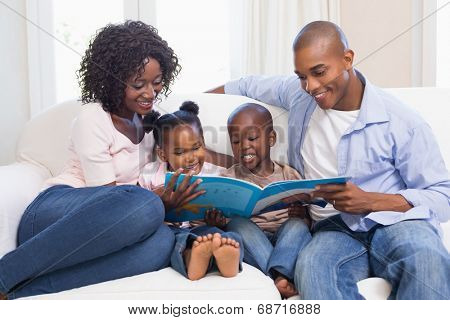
column 302, row 197
column 184, row 193
column 215, row 218
column 296, row 210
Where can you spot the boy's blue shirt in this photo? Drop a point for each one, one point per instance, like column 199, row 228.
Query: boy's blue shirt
column 389, row 149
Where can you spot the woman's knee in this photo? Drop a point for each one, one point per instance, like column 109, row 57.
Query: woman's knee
column 166, row 242
column 144, row 206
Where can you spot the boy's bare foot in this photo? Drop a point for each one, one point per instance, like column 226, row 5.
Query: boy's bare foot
column 197, row 259
column 226, row 251
column 3, row 296
column 286, row 288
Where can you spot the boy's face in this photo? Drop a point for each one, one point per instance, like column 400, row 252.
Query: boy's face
column 183, row 147
column 323, row 71
column 251, row 140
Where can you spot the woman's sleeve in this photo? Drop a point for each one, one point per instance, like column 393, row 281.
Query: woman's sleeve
column 92, row 138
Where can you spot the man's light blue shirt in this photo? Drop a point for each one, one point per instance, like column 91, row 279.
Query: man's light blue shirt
column 388, row 149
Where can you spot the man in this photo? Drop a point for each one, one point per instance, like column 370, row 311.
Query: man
column 383, row 223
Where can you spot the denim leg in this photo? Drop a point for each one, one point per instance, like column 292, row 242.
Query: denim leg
column 257, row 247
column 65, row 226
column 149, row 255
column 330, row 266
column 289, row 240
column 183, row 239
column 412, row 257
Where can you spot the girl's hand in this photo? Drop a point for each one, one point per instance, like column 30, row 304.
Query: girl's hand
column 215, row 218
column 182, row 195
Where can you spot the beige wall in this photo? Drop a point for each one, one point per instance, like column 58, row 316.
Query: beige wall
column 370, row 24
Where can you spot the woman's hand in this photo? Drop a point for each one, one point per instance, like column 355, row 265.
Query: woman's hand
column 215, row 218
column 183, row 194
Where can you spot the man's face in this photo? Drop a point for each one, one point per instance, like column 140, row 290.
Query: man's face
column 323, row 72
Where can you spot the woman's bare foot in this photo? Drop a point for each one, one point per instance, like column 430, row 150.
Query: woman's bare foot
column 226, row 251
column 286, row 288
column 197, row 259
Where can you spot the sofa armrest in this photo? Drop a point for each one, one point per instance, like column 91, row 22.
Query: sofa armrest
column 20, row 183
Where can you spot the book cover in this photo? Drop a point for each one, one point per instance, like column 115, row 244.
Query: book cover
column 242, row 198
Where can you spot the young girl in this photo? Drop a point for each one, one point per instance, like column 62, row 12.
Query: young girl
column 181, row 147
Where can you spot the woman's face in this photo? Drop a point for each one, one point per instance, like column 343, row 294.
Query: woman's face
column 141, row 92
column 183, row 147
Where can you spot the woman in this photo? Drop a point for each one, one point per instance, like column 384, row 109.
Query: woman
column 93, row 223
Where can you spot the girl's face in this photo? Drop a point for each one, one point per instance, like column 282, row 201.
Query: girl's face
column 141, row 92
column 183, row 147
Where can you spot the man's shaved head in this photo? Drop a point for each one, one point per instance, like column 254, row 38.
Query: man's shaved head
column 319, row 31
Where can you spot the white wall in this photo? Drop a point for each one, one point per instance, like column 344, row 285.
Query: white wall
column 14, row 92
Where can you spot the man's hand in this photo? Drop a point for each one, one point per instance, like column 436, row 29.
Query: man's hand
column 215, row 218
column 351, row 199
column 182, row 195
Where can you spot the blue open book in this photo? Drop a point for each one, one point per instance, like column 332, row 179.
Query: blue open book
column 242, row 198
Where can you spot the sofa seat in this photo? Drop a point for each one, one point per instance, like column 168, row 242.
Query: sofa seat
column 167, row 284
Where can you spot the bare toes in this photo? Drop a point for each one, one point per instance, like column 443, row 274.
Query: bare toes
column 195, row 243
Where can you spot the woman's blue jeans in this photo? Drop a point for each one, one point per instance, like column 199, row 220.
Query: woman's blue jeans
column 410, row 255
column 73, row 237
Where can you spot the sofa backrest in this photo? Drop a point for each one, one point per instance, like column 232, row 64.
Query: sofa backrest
column 45, row 138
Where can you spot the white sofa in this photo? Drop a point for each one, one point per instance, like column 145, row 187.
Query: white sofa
column 42, row 151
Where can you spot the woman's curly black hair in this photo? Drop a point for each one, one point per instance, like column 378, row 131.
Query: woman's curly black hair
column 117, row 52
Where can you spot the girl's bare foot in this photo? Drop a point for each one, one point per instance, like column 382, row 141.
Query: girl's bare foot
column 226, row 251
column 286, row 288
column 197, row 258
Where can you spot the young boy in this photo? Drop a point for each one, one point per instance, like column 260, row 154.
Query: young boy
column 272, row 240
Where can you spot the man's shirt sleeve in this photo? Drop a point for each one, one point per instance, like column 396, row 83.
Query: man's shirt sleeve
column 423, row 170
column 278, row 91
